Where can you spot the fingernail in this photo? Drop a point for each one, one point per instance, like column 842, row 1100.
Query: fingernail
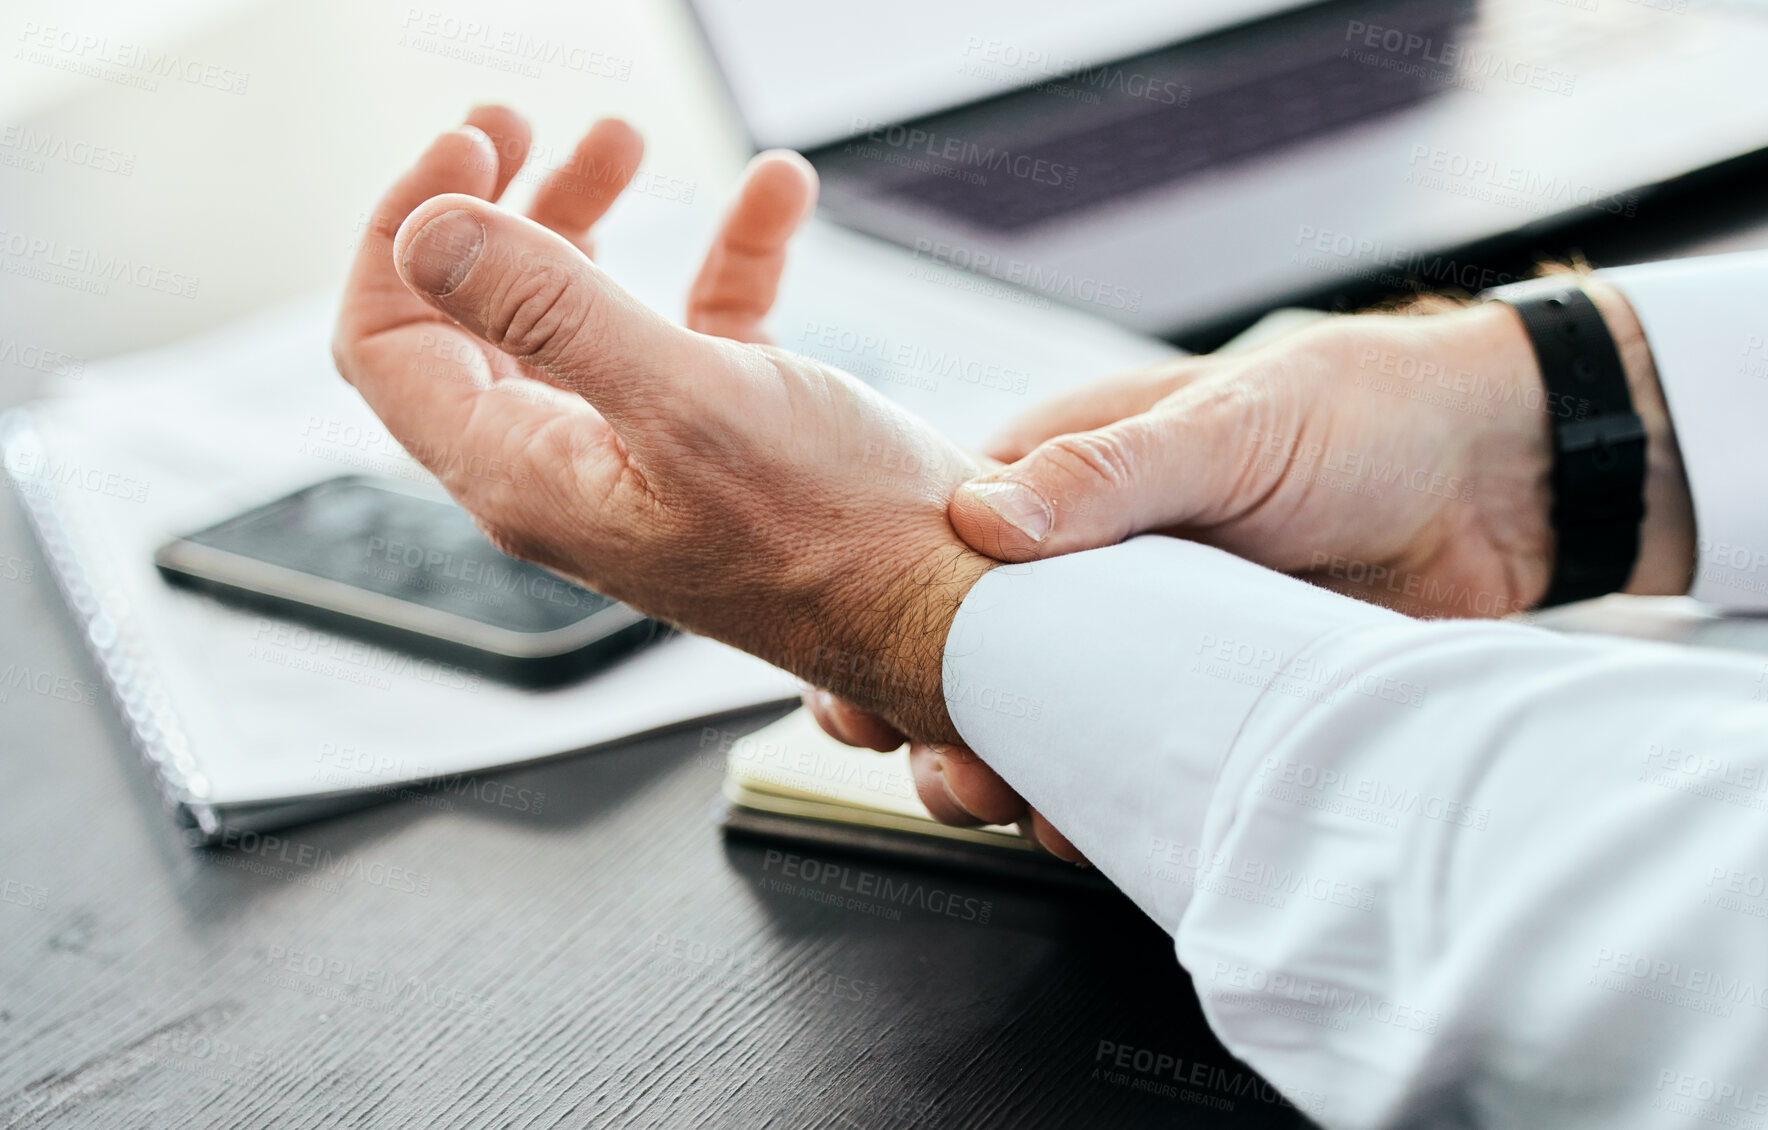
column 1017, row 504
column 443, row 251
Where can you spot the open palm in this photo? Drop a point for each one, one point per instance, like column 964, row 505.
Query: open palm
column 702, row 476
column 383, row 326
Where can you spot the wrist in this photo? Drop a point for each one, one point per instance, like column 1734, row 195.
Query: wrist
column 1511, row 446
column 889, row 659
column 1524, row 434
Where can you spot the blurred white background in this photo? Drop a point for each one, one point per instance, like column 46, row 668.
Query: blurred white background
column 253, row 196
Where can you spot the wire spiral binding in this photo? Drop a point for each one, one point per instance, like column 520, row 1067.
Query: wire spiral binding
column 106, row 622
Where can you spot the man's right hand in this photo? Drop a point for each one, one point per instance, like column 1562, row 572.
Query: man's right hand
column 1404, row 460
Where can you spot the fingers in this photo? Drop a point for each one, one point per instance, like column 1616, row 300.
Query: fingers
column 578, row 193
column 930, row 785
column 968, row 784
column 741, row 275
column 1092, row 406
column 1041, row 832
column 954, row 784
column 531, row 294
column 510, row 139
column 845, row 722
column 957, row 788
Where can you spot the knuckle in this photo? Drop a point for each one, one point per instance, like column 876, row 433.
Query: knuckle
column 539, row 313
column 1099, row 457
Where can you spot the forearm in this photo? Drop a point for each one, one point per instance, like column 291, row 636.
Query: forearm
column 1550, row 856
column 881, row 645
column 1523, row 430
column 1393, row 854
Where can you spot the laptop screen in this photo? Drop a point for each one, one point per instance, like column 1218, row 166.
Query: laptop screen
column 808, row 72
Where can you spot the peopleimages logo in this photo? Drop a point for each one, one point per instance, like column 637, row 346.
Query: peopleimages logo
column 1277, row 670
column 496, row 574
column 1670, row 982
column 789, row 765
column 1488, row 388
column 1755, row 357
column 1316, row 462
column 304, row 649
column 1068, row 72
column 1311, row 1001
column 1708, row 1099
column 1500, row 182
column 918, row 143
column 1418, row 53
column 504, row 48
column 31, row 148
column 871, row 892
column 83, row 268
column 373, row 987
column 1306, row 781
column 119, row 61
column 1160, row 1066
column 18, row 677
column 51, row 361
column 1065, row 285
column 35, row 471
column 345, row 765
column 1248, row 880
column 1342, row 253
column 907, row 362
column 260, row 847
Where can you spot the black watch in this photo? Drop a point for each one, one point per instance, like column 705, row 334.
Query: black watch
column 1598, row 441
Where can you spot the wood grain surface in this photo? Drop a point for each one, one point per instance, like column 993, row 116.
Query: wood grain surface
column 608, row 961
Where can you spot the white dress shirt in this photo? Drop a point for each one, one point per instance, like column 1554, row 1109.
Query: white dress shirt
column 1452, row 873
column 1707, row 323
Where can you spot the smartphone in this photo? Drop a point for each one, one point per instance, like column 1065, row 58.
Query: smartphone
column 397, row 564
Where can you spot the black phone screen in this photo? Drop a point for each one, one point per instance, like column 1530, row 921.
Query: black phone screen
column 415, row 549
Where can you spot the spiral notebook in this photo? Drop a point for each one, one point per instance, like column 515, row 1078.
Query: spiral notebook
column 245, row 729
column 246, row 725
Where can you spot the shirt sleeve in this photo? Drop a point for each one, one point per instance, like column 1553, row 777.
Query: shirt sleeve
column 1458, row 873
column 1706, row 321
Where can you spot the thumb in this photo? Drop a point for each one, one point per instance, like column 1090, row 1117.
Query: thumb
column 535, row 296
column 1089, row 489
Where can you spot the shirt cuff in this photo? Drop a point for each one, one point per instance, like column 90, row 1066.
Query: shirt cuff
column 1707, row 323
column 1108, row 688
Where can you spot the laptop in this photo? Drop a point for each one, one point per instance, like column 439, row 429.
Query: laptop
column 1172, row 165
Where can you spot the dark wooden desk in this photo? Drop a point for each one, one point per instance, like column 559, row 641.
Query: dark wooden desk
column 608, row 961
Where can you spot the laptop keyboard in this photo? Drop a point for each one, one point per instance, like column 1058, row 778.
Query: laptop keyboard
column 1165, row 144
column 1123, row 153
